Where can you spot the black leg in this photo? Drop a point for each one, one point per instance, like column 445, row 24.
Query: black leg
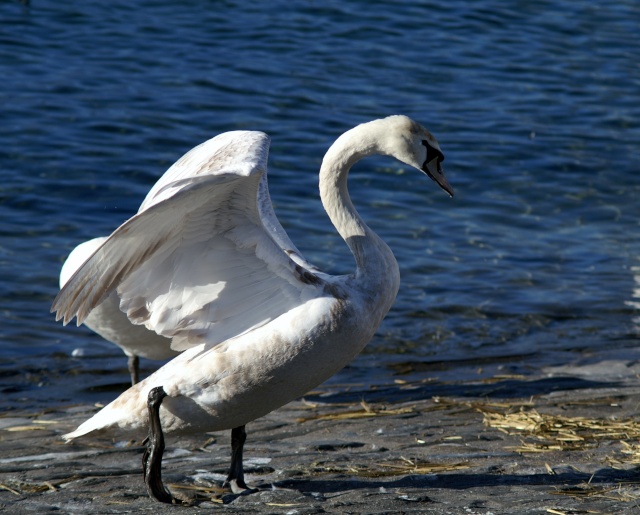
column 134, row 369
column 235, row 479
column 152, row 458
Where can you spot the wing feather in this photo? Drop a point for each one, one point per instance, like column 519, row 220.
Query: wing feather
column 205, row 258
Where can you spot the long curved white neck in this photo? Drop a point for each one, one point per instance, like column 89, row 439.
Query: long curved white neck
column 376, row 268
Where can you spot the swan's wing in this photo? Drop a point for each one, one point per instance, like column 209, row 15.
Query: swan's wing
column 277, row 232
column 197, row 263
column 214, row 156
column 247, row 149
column 77, row 257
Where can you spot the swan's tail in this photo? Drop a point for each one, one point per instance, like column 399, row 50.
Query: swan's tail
column 125, row 414
column 88, row 426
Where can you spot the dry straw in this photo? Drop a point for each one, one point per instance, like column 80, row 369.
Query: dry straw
column 547, row 432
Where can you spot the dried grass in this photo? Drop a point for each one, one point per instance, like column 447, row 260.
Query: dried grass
column 560, row 433
column 407, row 466
column 590, row 491
column 400, row 467
column 365, row 411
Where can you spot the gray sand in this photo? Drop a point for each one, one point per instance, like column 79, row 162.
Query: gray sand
column 415, row 445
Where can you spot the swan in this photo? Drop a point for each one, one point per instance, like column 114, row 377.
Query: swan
column 207, row 264
column 108, row 321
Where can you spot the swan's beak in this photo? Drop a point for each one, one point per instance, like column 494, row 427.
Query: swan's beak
column 434, row 170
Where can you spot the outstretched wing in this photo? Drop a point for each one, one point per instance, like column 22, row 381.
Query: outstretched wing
column 214, row 157
column 204, row 259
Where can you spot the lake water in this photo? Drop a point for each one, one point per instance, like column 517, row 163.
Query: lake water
column 535, row 104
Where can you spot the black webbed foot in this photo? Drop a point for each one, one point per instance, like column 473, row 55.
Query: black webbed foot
column 235, row 479
column 152, row 457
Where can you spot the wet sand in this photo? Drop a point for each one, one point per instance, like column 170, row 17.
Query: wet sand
column 421, row 443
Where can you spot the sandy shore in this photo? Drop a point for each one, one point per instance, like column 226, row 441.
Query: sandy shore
column 556, row 440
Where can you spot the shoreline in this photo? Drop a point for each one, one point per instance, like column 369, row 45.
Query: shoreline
column 562, row 440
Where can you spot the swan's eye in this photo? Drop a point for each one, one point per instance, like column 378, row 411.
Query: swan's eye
column 432, row 153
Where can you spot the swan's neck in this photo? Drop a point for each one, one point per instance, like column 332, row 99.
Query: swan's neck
column 376, row 268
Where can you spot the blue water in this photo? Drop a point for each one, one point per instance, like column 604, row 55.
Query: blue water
column 535, row 104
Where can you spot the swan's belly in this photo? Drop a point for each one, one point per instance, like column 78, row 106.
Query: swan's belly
column 247, row 377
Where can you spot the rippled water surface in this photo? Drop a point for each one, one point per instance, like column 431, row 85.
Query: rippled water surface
column 535, row 104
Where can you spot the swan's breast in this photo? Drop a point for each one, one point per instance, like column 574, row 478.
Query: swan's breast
column 248, row 376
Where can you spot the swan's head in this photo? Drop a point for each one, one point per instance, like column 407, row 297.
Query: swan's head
column 414, row 145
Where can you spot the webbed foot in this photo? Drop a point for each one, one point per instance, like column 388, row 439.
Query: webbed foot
column 152, row 457
column 235, row 479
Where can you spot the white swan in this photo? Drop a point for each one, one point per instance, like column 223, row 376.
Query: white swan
column 207, row 264
column 112, row 324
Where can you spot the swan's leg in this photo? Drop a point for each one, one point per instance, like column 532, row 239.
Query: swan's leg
column 152, row 458
column 235, row 479
column 134, row 369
